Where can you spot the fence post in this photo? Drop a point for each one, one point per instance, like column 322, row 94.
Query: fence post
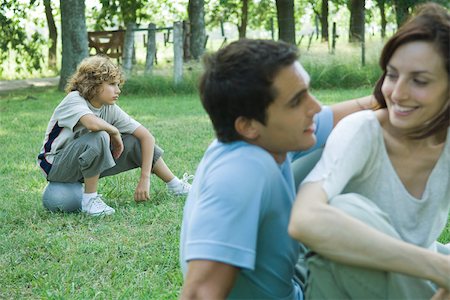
column 128, row 48
column 177, row 52
column 151, row 48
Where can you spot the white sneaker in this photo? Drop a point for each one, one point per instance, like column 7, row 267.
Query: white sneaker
column 183, row 186
column 96, row 207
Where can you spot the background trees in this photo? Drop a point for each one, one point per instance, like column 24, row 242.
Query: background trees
column 286, row 20
column 196, row 14
column 74, row 38
column 28, row 39
column 52, row 35
column 14, row 35
column 357, row 20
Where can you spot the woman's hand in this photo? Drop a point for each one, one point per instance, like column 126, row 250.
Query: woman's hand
column 441, row 294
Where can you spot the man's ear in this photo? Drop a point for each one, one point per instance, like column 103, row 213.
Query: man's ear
column 247, row 128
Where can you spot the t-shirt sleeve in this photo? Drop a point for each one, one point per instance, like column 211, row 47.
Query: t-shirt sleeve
column 122, row 121
column 324, row 124
column 346, row 153
column 224, row 223
column 71, row 109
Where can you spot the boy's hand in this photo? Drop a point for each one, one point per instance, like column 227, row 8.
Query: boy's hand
column 117, row 145
column 142, row 190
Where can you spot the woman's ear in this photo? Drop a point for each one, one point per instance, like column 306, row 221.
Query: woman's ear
column 247, row 128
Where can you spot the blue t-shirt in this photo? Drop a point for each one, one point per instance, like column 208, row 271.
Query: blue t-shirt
column 237, row 212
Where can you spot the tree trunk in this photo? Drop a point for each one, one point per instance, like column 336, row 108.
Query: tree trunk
column 52, row 34
column 244, row 20
column 74, row 38
column 324, row 21
column 381, row 5
column 196, row 13
column 286, row 20
column 356, row 31
column 402, row 10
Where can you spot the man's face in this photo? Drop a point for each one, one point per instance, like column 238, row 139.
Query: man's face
column 289, row 125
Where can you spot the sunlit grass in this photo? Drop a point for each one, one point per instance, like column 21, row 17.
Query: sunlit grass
column 132, row 254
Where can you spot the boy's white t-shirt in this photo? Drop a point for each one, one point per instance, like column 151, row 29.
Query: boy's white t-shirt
column 64, row 125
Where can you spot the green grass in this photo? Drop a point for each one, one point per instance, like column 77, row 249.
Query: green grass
column 132, row 254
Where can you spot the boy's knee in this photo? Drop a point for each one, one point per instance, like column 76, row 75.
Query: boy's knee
column 102, row 136
column 98, row 141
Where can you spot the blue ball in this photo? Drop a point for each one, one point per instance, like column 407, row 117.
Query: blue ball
column 63, row 196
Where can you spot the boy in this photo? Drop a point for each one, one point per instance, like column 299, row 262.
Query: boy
column 89, row 136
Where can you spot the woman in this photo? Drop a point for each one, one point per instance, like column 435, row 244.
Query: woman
column 373, row 207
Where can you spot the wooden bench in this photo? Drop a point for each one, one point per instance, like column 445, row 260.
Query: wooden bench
column 109, row 43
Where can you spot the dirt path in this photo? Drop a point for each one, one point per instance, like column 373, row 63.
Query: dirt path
column 11, row 85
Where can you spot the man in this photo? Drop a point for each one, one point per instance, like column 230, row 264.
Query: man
column 234, row 240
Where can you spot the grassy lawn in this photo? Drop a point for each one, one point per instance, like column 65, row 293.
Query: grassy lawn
column 132, row 254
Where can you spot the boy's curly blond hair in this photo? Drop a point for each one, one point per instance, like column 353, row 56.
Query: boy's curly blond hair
column 91, row 73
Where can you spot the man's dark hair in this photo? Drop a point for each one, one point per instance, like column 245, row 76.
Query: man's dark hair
column 237, row 81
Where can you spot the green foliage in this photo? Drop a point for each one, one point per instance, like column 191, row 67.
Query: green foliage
column 325, row 75
column 260, row 13
column 14, row 37
column 151, row 85
column 115, row 13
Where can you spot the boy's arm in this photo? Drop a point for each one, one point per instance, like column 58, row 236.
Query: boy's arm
column 344, row 239
column 342, row 109
column 142, row 192
column 208, row 279
column 94, row 123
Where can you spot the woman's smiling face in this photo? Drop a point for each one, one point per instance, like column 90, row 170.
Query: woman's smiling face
column 416, row 86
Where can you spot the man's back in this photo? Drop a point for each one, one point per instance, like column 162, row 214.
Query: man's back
column 237, row 213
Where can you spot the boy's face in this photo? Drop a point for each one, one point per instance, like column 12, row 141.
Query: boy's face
column 289, row 125
column 108, row 94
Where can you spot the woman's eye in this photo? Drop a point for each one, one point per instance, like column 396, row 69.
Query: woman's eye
column 420, row 81
column 391, row 75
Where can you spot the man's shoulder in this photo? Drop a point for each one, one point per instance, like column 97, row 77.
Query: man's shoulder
column 238, row 154
column 235, row 164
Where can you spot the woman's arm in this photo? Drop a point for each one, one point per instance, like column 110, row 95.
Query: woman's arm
column 342, row 109
column 344, row 239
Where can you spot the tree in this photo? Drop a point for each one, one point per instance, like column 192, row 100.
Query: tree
column 383, row 22
column 286, row 20
column 52, row 34
column 231, row 11
column 244, row 20
column 74, row 38
column 196, row 13
column 16, row 39
column 357, row 21
column 402, row 8
column 322, row 13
